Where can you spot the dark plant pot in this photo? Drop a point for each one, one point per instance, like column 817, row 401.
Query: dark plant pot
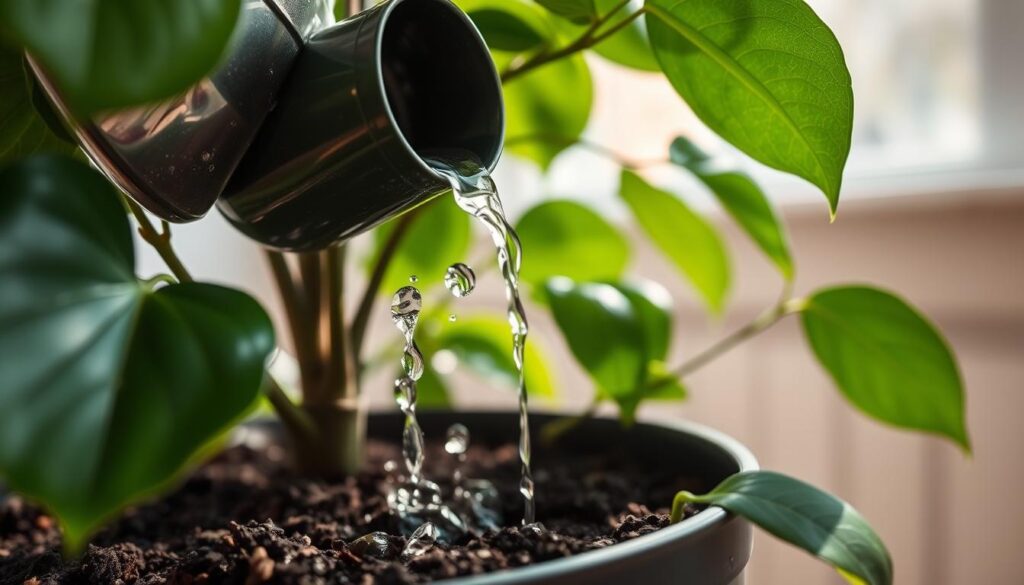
column 710, row 548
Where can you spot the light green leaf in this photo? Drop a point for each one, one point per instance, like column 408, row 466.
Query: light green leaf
column 629, row 46
column 742, row 198
column 685, row 237
column 887, row 359
column 766, row 75
column 668, row 388
column 578, row 11
column 564, row 238
column 505, row 31
column 438, row 237
column 652, row 304
column 23, row 131
column 483, row 343
column 110, row 385
column 805, row 517
column 111, row 54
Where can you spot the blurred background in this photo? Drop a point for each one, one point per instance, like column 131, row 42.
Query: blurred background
column 932, row 207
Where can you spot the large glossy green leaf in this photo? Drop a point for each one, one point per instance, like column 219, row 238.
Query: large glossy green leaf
column 742, row 198
column 766, row 75
column 805, row 517
column 439, row 236
column 685, row 237
column 578, row 11
column 565, row 238
column 110, row 385
column 887, row 359
column 111, row 53
column 483, row 343
column 629, row 46
column 22, row 130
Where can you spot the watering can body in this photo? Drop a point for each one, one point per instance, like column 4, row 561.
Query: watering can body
column 309, row 132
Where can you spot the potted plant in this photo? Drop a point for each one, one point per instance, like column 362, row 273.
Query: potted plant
column 114, row 385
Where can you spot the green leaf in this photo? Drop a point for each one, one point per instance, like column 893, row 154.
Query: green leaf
column 109, row 385
column 438, row 237
column 564, row 238
column 22, row 130
column 668, row 387
column 887, row 359
column 603, row 332
column 629, row 46
column 505, row 31
column 111, row 54
column 652, row 304
column 685, row 237
column 578, row 11
column 742, row 198
column 766, row 75
column 805, row 517
column 483, row 343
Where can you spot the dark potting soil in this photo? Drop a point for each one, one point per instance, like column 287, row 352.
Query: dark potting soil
column 245, row 518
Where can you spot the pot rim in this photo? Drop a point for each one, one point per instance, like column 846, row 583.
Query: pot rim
column 693, row 527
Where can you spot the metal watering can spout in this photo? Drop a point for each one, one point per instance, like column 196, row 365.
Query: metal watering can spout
column 310, row 133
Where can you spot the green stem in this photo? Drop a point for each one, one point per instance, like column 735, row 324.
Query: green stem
column 333, row 346
column 299, row 423
column 588, row 39
column 380, row 268
column 159, row 240
column 679, row 506
column 301, row 323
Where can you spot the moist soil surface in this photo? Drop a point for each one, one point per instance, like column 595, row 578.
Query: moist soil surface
column 247, row 518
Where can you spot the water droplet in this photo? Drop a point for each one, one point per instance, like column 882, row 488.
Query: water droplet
column 456, row 439
column 206, row 156
column 460, row 279
column 413, row 278
column 390, row 466
column 421, row 541
column 452, row 318
column 405, row 308
column 405, row 392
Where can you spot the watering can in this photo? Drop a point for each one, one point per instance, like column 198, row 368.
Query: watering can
column 309, row 132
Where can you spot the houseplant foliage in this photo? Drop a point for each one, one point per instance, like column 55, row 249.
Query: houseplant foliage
column 84, row 342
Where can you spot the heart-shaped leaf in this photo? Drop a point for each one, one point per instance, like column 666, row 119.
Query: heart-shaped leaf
column 766, row 75
column 111, row 54
column 685, row 237
column 742, row 198
column 887, row 359
column 805, row 517
column 566, row 238
column 23, row 131
column 110, row 385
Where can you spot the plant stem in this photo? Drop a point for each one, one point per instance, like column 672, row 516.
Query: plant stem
column 159, row 240
column 293, row 417
column 380, row 268
column 301, row 324
column 589, row 38
column 333, row 351
column 610, row 154
column 679, row 506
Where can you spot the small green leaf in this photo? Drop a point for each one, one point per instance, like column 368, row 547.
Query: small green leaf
column 805, row 517
column 652, row 304
column 565, row 238
column 23, row 131
column 504, row 31
column 109, row 385
column 111, row 54
column 685, row 237
column 742, row 198
column 603, row 332
column 578, row 11
column 483, row 343
column 887, row 359
column 668, row 388
column 438, row 237
column 766, row 75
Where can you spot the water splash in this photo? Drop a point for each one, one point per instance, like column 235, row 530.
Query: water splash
column 476, row 194
column 460, row 280
column 421, row 541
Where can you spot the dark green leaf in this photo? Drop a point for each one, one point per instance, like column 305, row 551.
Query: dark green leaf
column 504, row 31
column 110, row 54
column 742, row 198
column 564, row 238
column 805, row 517
column 109, row 385
column 887, row 359
column 653, row 307
column 604, row 333
column 22, row 130
column 578, row 11
column 484, row 344
column 438, row 237
column 766, row 75
column 685, row 237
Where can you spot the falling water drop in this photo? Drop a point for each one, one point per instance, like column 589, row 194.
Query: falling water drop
column 457, row 439
column 421, row 541
column 452, row 318
column 460, row 280
column 405, row 308
column 413, row 278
